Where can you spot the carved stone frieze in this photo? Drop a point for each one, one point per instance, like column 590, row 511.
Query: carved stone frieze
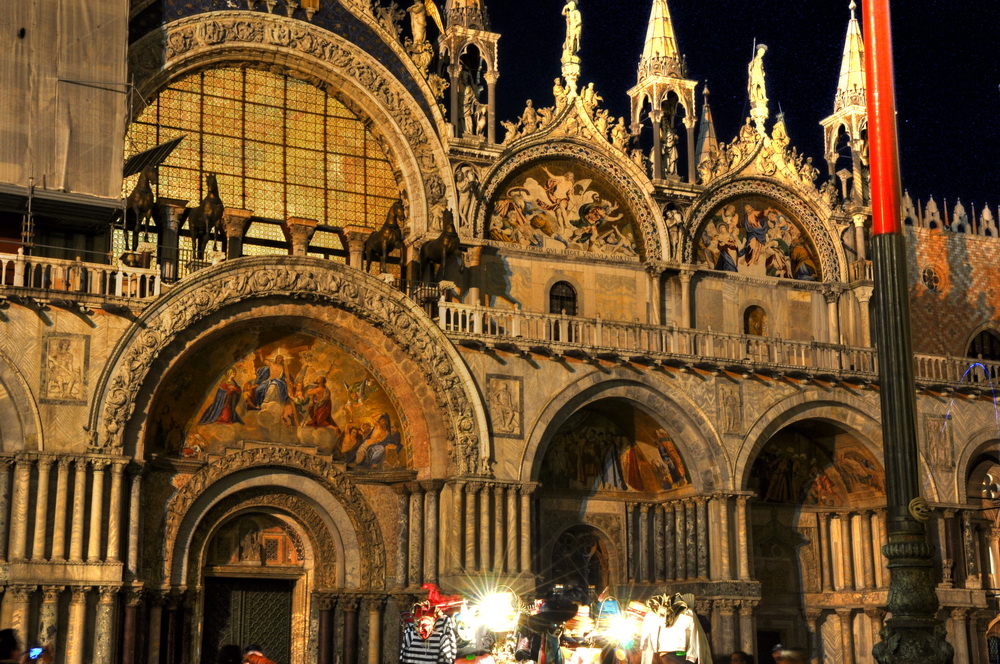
column 244, row 279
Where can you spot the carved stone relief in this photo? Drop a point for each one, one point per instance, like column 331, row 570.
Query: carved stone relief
column 65, row 360
column 505, row 395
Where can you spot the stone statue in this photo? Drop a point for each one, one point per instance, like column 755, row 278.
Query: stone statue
column 470, row 106
column 670, row 151
column 574, row 27
column 675, row 222
column 756, row 88
column 529, row 119
column 808, row 172
column 467, row 185
column 560, row 93
column 418, row 21
column 601, row 122
column 590, row 98
column 620, row 135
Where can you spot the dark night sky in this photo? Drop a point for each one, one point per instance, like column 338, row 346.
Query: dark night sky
column 947, row 72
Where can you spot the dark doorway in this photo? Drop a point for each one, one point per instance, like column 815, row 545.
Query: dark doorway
column 766, row 640
column 245, row 611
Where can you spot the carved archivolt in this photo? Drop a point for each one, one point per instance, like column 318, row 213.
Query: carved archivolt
column 210, row 291
column 640, row 203
column 246, row 37
column 372, row 547
column 301, row 511
column 831, row 253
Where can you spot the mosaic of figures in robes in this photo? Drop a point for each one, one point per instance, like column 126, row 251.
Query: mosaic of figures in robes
column 296, row 390
column 563, row 205
column 597, row 451
column 793, row 469
column 757, row 236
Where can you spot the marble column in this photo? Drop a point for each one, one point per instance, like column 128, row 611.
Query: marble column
column 79, row 498
column 454, row 544
column 846, row 635
column 814, row 623
column 642, row 545
column 727, row 611
column 973, row 579
column 375, row 606
column 655, row 116
column 130, row 625
column 349, row 608
column 326, row 641
column 864, row 295
column 168, row 218
column 867, row 551
column 416, row 534
column 859, row 237
column 298, row 232
column 59, row 518
column 748, row 636
column 499, row 522
column 104, row 650
column 826, row 551
column 657, row 574
column 833, row 315
column 669, row 542
column 19, row 597
column 846, row 551
column 432, row 491
column 77, row 624
column 959, row 619
column 742, row 527
column 155, row 635
column 174, row 604
column 680, row 539
column 701, row 508
column 725, row 568
column 471, row 491
column 19, row 510
column 485, row 500
column 5, row 499
column 134, row 518
column 526, row 491
column 115, row 514
column 876, row 618
column 41, row 508
column 403, row 535
column 512, row 528
column 685, row 320
column 356, row 236
column 491, row 77
column 49, row 615
column 96, row 509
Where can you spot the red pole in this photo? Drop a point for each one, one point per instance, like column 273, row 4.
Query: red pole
column 882, row 137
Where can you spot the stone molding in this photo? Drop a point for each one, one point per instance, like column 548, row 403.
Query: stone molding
column 236, row 281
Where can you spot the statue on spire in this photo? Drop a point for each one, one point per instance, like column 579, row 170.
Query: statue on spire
column 756, row 88
column 570, row 59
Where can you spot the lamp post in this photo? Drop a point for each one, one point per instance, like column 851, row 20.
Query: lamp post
column 913, row 635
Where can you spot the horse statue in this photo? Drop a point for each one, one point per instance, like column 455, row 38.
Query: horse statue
column 140, row 204
column 435, row 253
column 206, row 219
column 381, row 243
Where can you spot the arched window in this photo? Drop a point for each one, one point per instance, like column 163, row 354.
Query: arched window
column 755, row 321
column 986, row 346
column 562, row 299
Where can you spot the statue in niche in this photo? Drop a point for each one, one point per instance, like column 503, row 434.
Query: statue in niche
column 675, row 232
column 574, row 28
column 467, row 184
column 670, row 151
column 473, row 112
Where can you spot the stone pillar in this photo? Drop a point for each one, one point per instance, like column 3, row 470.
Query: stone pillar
column 416, row 534
column 748, row 636
column 5, row 499
column 689, row 124
column 642, row 544
column 685, row 321
column 833, row 315
column 49, row 615
column 864, row 295
column 702, row 536
column 155, row 627
column 432, row 491
column 654, row 117
column 59, row 519
column 526, row 491
column 375, row 606
column 876, row 618
column 356, row 236
column 512, row 528
column 19, row 510
column 349, row 607
column 680, row 539
column 326, row 640
column 499, row 545
column 846, row 635
column 472, row 257
column 19, row 597
column 235, row 222
column 298, row 232
column 846, row 551
column 826, row 551
column 959, row 619
column 484, row 527
column 741, row 538
column 115, row 513
column 134, row 517
column 403, row 535
column 973, row 579
column 76, row 624
column 994, row 547
column 96, row 509
column 456, row 112
column 669, row 542
column 130, row 625
column 174, row 603
column 104, row 650
column 725, row 569
column 167, row 216
column 867, row 551
column 41, row 509
column 657, row 573
column 79, row 502
column 455, row 544
column 859, row 237
column 814, row 619
column 471, row 490
column 727, row 611
column 491, row 77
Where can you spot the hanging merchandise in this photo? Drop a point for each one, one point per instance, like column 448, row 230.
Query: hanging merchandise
column 429, row 633
column 672, row 633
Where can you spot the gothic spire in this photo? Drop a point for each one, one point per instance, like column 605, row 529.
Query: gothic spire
column 660, row 54
column 851, row 88
column 707, row 142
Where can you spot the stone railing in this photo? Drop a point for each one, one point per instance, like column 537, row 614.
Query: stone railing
column 598, row 337
column 56, row 278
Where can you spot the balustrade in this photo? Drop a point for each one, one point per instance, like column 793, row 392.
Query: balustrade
column 65, row 278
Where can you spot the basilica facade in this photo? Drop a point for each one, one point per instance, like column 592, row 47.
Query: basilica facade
column 350, row 332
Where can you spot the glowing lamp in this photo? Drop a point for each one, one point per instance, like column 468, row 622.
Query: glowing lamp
column 496, row 611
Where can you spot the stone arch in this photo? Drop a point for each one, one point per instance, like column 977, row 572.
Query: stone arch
column 978, row 444
column 603, row 530
column 21, row 427
column 330, row 493
column 322, row 57
column 696, row 439
column 622, row 174
column 833, row 259
column 210, row 292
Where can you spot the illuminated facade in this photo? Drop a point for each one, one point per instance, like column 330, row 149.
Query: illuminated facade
column 602, row 352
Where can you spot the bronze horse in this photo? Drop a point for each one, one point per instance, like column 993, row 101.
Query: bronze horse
column 381, row 243
column 436, row 252
column 206, row 219
column 140, row 204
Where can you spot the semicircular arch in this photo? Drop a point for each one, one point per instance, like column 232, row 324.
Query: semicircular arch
column 21, row 427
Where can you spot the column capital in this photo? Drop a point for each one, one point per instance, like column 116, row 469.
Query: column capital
column 375, row 601
column 844, row 613
column 831, row 294
column 727, row 607
column 959, row 612
column 415, row 488
column 643, row 507
column 474, row 487
column 813, row 616
column 746, row 606
column 527, row 488
column 134, row 595
column 741, row 500
column 45, row 461
column 356, row 236
column 99, row 464
column 876, row 613
column 108, row 594
column 79, row 594
column 298, row 232
column 6, row 462
column 325, row 601
column 64, row 463
column 432, row 486
column 401, row 488
column 20, row 592
column 685, row 276
column 50, row 594
column 349, row 602
column 236, row 221
column 864, row 293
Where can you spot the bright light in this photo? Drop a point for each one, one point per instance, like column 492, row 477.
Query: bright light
column 621, row 630
column 497, row 611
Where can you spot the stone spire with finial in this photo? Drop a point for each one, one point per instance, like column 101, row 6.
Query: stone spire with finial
column 851, row 88
column 660, row 54
column 850, row 112
column 707, row 142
